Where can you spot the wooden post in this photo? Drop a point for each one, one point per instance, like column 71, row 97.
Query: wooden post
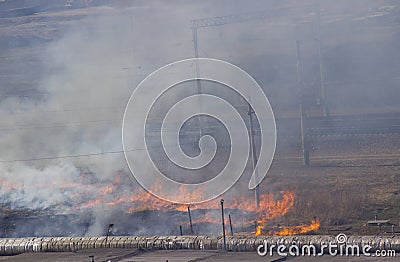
column 108, row 231
column 223, row 223
column 190, row 221
column 230, row 224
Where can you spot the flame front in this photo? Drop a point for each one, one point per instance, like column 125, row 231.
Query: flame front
column 248, row 213
column 296, row 230
column 290, row 230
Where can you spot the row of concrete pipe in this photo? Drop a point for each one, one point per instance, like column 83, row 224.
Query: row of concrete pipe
column 13, row 246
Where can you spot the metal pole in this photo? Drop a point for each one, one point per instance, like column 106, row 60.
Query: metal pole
column 321, row 71
column 230, row 224
column 253, row 154
column 180, row 229
column 195, row 46
column 190, row 221
column 223, row 223
column 133, row 46
column 198, row 81
column 306, row 157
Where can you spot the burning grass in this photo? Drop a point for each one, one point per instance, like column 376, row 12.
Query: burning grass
column 247, row 216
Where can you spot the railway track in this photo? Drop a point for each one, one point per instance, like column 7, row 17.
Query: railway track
column 353, row 125
column 314, row 126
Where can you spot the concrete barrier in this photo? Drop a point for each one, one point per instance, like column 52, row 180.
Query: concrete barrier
column 13, row 246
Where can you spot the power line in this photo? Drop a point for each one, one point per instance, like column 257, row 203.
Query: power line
column 81, row 155
column 60, row 157
column 110, row 109
column 94, row 122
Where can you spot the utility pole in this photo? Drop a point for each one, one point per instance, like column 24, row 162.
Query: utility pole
column 253, row 154
column 196, row 54
column 198, row 81
column 321, row 69
column 306, row 157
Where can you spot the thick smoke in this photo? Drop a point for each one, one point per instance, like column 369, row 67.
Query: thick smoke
column 87, row 73
column 84, row 91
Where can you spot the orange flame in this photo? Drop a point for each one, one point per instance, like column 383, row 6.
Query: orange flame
column 296, row 230
column 270, row 205
column 290, row 230
column 258, row 230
